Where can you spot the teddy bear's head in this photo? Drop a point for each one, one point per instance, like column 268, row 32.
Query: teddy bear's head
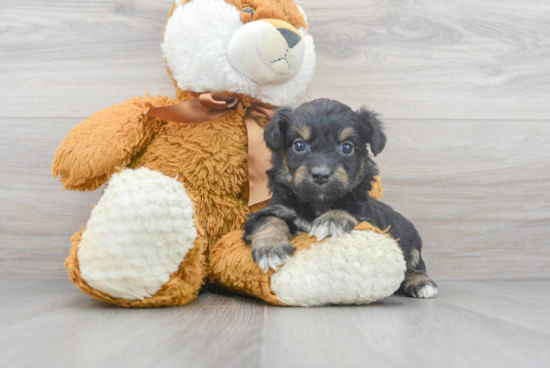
column 259, row 48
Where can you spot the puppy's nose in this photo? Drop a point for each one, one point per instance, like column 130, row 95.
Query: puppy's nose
column 321, row 175
column 291, row 37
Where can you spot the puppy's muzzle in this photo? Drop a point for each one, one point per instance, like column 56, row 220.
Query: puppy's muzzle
column 321, row 175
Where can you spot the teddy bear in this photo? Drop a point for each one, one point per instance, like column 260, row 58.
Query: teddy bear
column 182, row 174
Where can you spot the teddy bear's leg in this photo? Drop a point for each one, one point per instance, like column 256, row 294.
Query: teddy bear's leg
column 142, row 246
column 357, row 268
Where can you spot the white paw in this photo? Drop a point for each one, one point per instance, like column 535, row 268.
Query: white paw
column 137, row 235
column 272, row 261
column 427, row 291
column 326, row 229
column 332, row 223
column 271, row 255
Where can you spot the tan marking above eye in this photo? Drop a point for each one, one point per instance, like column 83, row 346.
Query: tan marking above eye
column 304, row 131
column 345, row 134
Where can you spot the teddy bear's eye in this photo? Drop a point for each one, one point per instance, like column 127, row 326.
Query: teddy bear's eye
column 249, row 10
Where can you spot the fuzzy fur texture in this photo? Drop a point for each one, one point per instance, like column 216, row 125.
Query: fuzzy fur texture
column 198, row 60
column 322, row 171
column 358, row 268
column 209, row 159
column 137, row 235
column 107, row 140
column 232, row 267
column 184, row 284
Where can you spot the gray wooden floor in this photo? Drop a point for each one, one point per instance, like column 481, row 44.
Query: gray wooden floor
column 471, row 324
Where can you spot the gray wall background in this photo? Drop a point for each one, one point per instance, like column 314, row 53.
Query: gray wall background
column 463, row 86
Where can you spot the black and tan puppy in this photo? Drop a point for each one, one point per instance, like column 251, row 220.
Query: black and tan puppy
column 320, row 180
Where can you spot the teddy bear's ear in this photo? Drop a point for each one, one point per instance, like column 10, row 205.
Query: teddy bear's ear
column 302, row 12
column 373, row 130
column 275, row 131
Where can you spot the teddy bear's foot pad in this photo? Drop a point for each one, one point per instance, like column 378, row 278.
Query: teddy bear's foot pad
column 137, row 235
column 341, row 270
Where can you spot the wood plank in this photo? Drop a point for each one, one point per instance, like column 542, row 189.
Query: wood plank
column 401, row 332
column 524, row 303
column 478, row 191
column 65, row 328
column 467, row 59
column 477, row 324
column 72, row 58
column 37, row 216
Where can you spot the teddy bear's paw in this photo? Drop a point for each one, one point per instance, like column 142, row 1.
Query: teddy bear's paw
column 355, row 268
column 137, row 235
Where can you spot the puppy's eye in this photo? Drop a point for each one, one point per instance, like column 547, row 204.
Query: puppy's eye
column 299, row 145
column 347, row 148
column 249, row 10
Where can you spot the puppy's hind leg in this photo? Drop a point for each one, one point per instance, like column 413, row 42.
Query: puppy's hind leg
column 417, row 283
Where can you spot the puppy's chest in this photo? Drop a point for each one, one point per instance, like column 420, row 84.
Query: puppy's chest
column 309, row 212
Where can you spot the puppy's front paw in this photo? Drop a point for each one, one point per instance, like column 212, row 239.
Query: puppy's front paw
column 271, row 255
column 332, row 223
column 271, row 244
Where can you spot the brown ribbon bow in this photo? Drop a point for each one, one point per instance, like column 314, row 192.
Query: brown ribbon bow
column 210, row 106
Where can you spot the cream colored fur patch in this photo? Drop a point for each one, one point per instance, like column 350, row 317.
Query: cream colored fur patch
column 137, row 235
column 356, row 268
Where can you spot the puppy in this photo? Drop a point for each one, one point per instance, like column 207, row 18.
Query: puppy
column 321, row 176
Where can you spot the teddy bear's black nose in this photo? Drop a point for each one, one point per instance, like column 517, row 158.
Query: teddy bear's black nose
column 291, row 37
column 321, row 175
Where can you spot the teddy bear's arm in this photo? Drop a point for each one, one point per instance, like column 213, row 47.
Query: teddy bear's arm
column 106, row 142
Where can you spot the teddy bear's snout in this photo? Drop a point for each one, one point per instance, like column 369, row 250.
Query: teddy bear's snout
column 267, row 51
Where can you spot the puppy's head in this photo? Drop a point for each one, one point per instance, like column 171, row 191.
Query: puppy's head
column 320, row 148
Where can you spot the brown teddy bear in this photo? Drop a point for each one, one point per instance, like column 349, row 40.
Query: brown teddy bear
column 182, row 173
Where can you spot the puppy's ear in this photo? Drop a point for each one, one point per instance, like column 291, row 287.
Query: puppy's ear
column 275, row 131
column 372, row 129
